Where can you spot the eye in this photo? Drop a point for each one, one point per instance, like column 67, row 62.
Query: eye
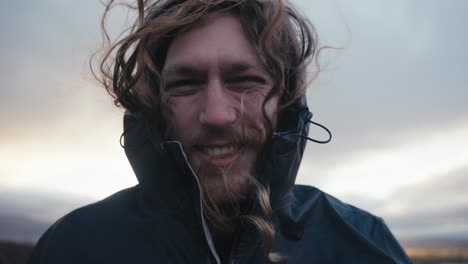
column 242, row 83
column 183, row 87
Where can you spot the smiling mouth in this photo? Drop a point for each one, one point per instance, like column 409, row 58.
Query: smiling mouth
column 219, row 155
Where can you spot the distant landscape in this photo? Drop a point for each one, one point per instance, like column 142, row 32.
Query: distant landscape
column 441, row 255
column 14, row 253
column 18, row 253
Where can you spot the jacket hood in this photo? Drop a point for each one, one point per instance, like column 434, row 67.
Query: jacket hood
column 151, row 163
column 282, row 158
column 152, row 159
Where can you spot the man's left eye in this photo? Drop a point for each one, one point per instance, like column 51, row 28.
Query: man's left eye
column 245, row 82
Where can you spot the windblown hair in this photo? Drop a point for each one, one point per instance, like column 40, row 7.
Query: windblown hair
column 130, row 67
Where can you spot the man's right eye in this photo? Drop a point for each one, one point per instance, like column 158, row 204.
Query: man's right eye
column 183, row 87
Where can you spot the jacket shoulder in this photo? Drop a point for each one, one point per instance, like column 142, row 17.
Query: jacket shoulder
column 73, row 230
column 353, row 223
column 108, row 209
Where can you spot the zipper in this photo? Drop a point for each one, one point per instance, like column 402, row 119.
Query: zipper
column 206, row 231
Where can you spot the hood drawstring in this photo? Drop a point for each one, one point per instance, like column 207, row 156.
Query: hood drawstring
column 305, row 116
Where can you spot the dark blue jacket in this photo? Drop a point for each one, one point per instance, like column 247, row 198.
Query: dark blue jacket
column 161, row 220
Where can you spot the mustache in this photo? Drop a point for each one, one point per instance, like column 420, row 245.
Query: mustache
column 239, row 135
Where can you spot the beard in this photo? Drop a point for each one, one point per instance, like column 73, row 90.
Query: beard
column 225, row 189
column 227, row 183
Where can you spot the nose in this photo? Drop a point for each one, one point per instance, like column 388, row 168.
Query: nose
column 218, row 109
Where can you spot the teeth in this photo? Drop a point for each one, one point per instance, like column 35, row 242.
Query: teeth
column 216, row 151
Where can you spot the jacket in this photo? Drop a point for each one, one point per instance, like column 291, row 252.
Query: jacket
column 161, row 219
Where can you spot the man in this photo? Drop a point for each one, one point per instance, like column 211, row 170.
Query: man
column 215, row 129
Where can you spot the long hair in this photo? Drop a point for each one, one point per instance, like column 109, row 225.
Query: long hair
column 130, row 67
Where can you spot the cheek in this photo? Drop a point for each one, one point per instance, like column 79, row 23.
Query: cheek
column 180, row 115
column 271, row 109
column 252, row 106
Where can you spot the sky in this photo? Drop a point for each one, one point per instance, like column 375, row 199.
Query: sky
column 393, row 92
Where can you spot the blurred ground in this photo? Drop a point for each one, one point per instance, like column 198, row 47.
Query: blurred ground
column 431, row 255
column 15, row 253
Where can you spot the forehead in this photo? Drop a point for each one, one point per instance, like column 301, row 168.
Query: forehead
column 220, row 42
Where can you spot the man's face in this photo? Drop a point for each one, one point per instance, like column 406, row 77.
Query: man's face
column 214, row 87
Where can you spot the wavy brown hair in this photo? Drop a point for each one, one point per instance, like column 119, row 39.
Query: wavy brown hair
column 130, row 68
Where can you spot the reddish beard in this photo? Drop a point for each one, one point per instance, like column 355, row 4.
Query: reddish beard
column 226, row 189
column 221, row 185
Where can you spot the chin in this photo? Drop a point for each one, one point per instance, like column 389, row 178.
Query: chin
column 225, row 180
column 225, row 184
column 228, row 188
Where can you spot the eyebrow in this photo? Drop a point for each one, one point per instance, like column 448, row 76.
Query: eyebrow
column 192, row 69
column 183, row 70
column 239, row 67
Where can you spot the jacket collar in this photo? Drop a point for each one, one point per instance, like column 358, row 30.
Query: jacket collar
column 283, row 158
column 158, row 174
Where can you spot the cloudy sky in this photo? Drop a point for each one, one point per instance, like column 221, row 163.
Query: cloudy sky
column 395, row 97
